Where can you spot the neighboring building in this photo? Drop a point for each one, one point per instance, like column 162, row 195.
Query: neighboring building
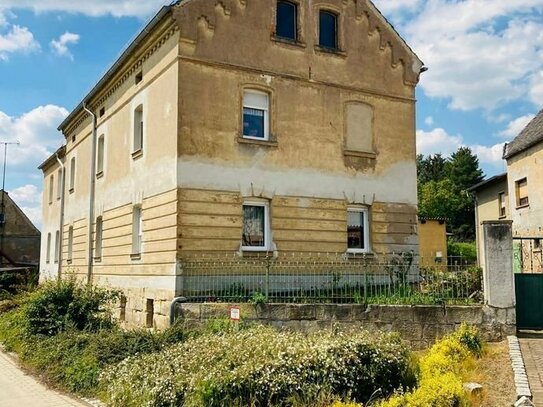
column 19, row 238
column 432, row 242
column 237, row 126
column 491, row 203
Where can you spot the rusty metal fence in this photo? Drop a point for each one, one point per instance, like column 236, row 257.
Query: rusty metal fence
column 395, row 278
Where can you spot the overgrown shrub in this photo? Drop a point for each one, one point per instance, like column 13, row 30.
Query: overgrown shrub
column 441, row 372
column 260, row 367
column 467, row 251
column 66, row 304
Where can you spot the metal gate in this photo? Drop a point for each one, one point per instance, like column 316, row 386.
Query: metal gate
column 528, row 266
column 529, row 292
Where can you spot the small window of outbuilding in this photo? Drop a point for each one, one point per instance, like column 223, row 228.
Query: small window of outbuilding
column 287, row 20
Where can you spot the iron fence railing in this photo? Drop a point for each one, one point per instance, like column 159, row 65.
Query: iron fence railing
column 528, row 254
column 332, row 278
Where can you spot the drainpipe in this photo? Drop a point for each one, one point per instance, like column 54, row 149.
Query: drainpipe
column 175, row 301
column 61, row 229
column 92, row 189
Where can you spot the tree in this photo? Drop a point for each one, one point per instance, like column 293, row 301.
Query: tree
column 440, row 199
column 432, row 168
column 463, row 169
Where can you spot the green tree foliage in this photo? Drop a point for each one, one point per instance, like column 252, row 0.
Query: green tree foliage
column 443, row 190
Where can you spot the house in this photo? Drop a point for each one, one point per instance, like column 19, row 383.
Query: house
column 19, row 238
column 518, row 196
column 432, row 242
column 241, row 127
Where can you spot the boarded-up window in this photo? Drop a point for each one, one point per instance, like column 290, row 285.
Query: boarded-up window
column 521, row 187
column 359, row 127
column 72, row 174
column 70, row 243
column 100, row 154
column 138, row 129
column 51, row 188
column 57, row 245
column 48, row 253
column 59, row 186
column 137, row 230
column 98, row 239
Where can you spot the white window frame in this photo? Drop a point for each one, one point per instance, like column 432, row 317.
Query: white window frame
column 70, row 243
column 267, row 227
column 48, row 253
column 266, row 110
column 137, row 231
column 100, row 155
column 138, row 129
column 365, row 211
column 72, row 174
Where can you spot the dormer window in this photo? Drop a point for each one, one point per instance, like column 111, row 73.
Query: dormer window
column 287, row 20
column 328, row 28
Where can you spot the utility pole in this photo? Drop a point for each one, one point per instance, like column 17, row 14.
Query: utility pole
column 2, row 202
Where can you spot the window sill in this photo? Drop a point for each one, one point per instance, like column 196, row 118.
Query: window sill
column 288, row 41
column 359, row 251
column 99, row 174
column 502, row 217
column 330, row 51
column 362, row 154
column 97, row 259
column 254, row 249
column 71, row 190
column 137, row 154
column 135, row 256
column 257, row 142
column 69, row 261
column 523, row 206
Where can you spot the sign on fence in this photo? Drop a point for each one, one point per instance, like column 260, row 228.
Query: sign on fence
column 235, row 314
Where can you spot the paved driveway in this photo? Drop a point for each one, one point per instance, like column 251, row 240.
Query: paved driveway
column 20, row 390
column 532, row 353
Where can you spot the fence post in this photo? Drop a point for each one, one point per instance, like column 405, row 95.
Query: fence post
column 267, row 282
column 498, row 276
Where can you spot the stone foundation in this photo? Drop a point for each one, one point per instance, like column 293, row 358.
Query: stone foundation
column 418, row 325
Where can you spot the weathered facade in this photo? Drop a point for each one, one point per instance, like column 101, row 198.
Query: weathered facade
column 237, row 126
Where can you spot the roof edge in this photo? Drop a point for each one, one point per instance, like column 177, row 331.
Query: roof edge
column 60, row 153
column 488, row 181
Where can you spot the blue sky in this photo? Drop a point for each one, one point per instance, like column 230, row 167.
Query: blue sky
column 485, row 78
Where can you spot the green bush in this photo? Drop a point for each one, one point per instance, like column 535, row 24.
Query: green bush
column 466, row 251
column 259, row 366
column 60, row 305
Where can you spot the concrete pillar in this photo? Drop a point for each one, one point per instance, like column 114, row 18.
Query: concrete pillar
column 498, row 276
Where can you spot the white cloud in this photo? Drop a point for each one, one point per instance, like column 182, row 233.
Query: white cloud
column 516, row 126
column 429, row 121
column 481, row 54
column 17, row 39
column 393, row 6
column 95, row 8
column 38, row 137
column 28, row 198
column 536, row 89
column 439, row 141
column 60, row 46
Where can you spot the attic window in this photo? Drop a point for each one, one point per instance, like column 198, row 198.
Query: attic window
column 102, row 111
column 73, row 139
column 139, row 77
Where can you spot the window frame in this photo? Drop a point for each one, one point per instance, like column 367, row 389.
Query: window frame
column 59, row 183
column 72, row 174
column 98, row 238
column 48, row 253
column 138, row 131
column 336, row 16
column 137, row 232
column 70, row 244
column 100, row 155
column 366, row 227
column 518, row 198
column 57, row 246
column 51, row 188
column 295, row 6
column 267, row 226
column 267, row 116
column 500, row 206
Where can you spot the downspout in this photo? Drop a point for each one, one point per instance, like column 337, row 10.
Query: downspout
column 91, row 193
column 61, row 229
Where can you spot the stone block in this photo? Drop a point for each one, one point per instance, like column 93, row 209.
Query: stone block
column 491, row 332
column 393, row 313
column 419, row 345
column 408, row 330
column 214, row 311
column 188, row 311
column 301, row 312
column 274, row 312
column 363, row 313
column 436, row 331
column 472, row 315
column 509, row 330
column 429, row 314
column 511, row 317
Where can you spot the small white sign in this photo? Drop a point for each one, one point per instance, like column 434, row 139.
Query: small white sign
column 235, row 314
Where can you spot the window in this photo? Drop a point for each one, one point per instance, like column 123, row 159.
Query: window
column 57, row 245
column 139, row 77
column 359, row 127
column 72, row 174
column 357, row 230
column 501, row 200
column 137, row 231
column 287, row 20
column 328, row 30
column 48, row 253
column 70, row 243
column 521, row 188
column 102, row 111
column 100, row 156
column 98, row 238
column 51, row 188
column 59, row 184
column 138, row 129
column 256, row 229
column 256, row 115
